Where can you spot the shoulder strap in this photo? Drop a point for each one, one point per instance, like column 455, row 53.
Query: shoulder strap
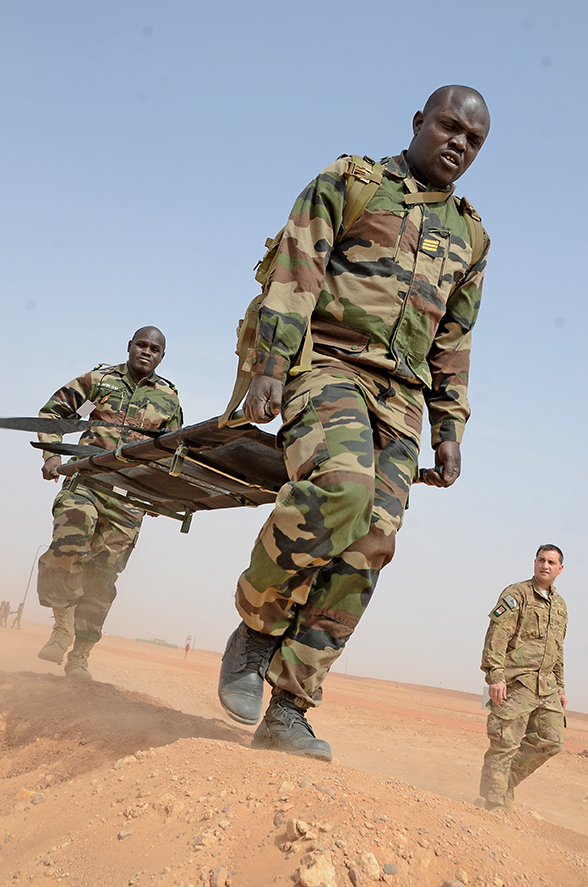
column 475, row 229
column 364, row 177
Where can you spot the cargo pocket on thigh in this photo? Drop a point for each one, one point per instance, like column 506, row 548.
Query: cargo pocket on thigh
column 302, row 437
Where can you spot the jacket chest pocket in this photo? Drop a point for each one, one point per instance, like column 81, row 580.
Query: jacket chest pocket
column 433, row 256
column 111, row 402
column 536, row 622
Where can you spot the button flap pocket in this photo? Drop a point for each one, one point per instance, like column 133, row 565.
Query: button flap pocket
column 338, row 337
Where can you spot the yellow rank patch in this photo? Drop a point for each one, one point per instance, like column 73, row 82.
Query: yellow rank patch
column 430, row 245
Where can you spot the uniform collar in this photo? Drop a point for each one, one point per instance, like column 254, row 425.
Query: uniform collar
column 546, row 595
column 398, row 168
column 152, row 379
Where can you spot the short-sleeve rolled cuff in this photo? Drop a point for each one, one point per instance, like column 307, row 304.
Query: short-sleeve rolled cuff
column 264, row 363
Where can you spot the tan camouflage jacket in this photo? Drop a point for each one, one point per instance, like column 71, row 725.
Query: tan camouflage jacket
column 396, row 297
column 524, row 641
column 153, row 403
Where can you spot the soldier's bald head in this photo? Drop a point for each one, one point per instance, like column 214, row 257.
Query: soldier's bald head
column 446, row 95
column 151, row 331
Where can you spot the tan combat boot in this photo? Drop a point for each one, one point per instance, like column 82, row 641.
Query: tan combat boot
column 61, row 637
column 77, row 660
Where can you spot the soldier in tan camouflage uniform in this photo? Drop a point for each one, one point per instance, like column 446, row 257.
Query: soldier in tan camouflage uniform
column 391, row 307
column 523, row 661
column 93, row 533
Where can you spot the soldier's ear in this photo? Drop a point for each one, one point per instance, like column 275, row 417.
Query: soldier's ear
column 417, row 122
column 129, row 346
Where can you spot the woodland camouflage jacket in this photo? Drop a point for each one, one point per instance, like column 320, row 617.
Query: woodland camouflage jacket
column 117, row 398
column 396, row 296
column 524, row 641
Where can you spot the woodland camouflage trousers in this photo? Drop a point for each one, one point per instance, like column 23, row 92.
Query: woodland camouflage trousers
column 315, row 563
column 524, row 732
column 93, row 537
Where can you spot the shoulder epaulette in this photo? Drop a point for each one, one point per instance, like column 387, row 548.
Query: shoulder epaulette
column 466, row 207
column 167, row 382
column 100, row 365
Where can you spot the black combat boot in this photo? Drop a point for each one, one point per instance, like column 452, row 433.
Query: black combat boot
column 285, row 728
column 243, row 670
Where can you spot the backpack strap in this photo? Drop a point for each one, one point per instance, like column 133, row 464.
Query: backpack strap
column 475, row 230
column 427, row 196
column 364, row 177
column 246, row 340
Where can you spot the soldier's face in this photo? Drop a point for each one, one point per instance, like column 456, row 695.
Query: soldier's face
column 447, row 138
column 547, row 568
column 146, row 352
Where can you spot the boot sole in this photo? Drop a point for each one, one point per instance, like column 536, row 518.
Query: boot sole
column 299, row 753
column 79, row 677
column 49, row 657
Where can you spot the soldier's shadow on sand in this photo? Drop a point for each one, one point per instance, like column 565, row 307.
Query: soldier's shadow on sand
column 95, row 721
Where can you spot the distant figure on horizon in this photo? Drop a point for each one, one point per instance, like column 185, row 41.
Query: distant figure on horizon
column 365, row 326
column 186, row 649
column 94, row 533
column 523, row 661
column 17, row 616
column 4, row 612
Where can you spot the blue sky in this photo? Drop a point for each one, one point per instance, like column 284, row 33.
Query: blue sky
column 149, row 148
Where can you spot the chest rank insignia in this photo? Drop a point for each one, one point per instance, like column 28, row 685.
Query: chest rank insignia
column 500, row 609
column 430, row 246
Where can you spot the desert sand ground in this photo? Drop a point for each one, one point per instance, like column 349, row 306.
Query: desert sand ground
column 140, row 779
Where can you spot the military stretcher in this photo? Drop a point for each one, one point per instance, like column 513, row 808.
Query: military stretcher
column 176, row 473
column 200, row 467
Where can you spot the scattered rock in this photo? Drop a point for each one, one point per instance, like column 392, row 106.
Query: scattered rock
column 169, row 804
column 130, row 759
column 390, row 869
column 463, row 877
column 295, row 829
column 370, row 866
column 219, row 878
column 125, row 833
column 39, row 798
column 23, row 794
column 316, row 871
column 326, row 790
column 354, row 876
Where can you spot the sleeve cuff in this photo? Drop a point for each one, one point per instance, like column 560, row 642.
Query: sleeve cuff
column 447, row 430
column 264, row 363
column 495, row 676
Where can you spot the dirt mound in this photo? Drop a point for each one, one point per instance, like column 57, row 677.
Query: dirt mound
column 74, row 728
column 103, row 785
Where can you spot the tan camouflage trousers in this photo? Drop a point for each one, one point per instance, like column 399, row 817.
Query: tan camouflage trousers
column 93, row 537
column 524, row 732
column 316, row 561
